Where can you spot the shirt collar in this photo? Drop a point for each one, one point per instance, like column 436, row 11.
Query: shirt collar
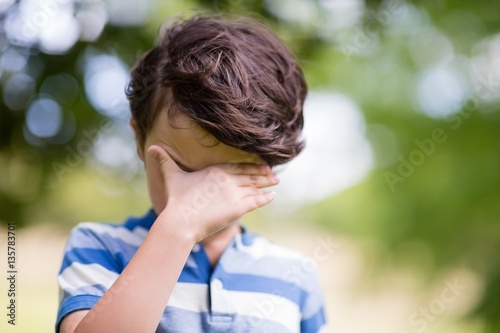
column 146, row 221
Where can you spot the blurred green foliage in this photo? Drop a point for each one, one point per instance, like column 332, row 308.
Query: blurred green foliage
column 448, row 200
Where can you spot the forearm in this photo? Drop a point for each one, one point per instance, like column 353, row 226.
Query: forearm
column 137, row 299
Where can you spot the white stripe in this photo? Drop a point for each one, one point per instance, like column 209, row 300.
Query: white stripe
column 79, row 275
column 261, row 248
column 260, row 306
column 323, row 329
column 134, row 237
column 190, row 296
column 190, row 262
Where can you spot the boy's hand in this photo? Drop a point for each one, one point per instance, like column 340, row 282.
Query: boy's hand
column 208, row 200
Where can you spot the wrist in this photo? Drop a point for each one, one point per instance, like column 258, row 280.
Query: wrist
column 170, row 221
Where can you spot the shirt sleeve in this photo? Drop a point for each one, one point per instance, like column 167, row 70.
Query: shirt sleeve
column 313, row 311
column 88, row 270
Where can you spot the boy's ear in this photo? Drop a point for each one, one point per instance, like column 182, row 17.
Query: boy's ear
column 138, row 144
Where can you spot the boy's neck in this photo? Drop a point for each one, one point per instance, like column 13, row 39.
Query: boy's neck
column 215, row 244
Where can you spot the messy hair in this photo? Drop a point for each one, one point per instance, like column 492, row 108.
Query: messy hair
column 233, row 77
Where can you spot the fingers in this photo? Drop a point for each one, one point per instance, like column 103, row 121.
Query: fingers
column 258, row 199
column 161, row 156
column 244, row 174
column 258, row 181
column 246, row 168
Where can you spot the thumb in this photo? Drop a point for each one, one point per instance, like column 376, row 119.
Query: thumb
column 168, row 166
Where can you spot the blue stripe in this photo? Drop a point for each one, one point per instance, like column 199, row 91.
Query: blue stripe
column 80, row 302
column 202, row 273
column 262, row 284
column 192, row 275
column 89, row 256
column 145, row 221
column 85, row 236
column 313, row 323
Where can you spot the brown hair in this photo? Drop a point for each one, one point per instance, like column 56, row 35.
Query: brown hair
column 234, row 78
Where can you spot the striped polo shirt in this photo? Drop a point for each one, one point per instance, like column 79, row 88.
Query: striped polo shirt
column 256, row 286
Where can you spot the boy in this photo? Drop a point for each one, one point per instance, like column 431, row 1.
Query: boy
column 215, row 105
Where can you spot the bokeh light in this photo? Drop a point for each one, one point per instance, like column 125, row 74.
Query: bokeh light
column 485, row 70
column 105, row 80
column 93, row 17
column 128, row 12
column 60, row 35
column 441, row 91
column 297, row 11
column 5, row 4
column 429, row 47
column 17, row 91
column 13, row 60
column 337, row 154
column 44, row 117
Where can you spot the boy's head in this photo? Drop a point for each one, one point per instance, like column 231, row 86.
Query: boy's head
column 234, row 79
